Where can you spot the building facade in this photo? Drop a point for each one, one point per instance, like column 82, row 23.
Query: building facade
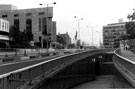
column 4, row 33
column 112, row 34
column 66, row 39
column 35, row 21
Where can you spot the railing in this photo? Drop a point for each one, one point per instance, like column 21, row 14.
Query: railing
column 8, row 55
column 125, row 66
column 11, row 52
column 30, row 76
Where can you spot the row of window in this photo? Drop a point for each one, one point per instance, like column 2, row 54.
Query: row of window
column 115, row 27
column 27, row 14
column 115, row 34
column 4, row 26
column 28, row 24
column 42, row 25
column 109, row 37
column 111, row 43
column 113, row 30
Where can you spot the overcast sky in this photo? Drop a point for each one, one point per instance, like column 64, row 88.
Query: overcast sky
column 95, row 14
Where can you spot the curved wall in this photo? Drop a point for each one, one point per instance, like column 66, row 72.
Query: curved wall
column 74, row 74
column 125, row 66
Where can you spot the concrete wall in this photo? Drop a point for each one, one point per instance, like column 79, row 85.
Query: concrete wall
column 125, row 66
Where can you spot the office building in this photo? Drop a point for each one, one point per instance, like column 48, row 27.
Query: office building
column 35, row 21
column 4, row 33
column 112, row 34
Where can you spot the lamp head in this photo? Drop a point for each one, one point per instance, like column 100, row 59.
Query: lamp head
column 54, row 3
column 41, row 4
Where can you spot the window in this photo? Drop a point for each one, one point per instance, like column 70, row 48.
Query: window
column 5, row 26
column 39, row 38
column 4, row 16
column 16, row 22
column 43, row 25
column 39, row 24
column 28, row 14
column 16, row 15
column 28, row 25
column 41, row 13
column 29, row 34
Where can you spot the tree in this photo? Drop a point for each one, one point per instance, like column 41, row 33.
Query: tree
column 14, row 33
column 61, row 40
column 130, row 29
column 71, row 46
column 19, row 39
column 130, row 26
column 28, row 36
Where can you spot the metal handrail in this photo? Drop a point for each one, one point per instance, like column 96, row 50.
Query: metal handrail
column 126, row 59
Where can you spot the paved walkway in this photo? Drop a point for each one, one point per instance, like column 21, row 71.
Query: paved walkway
column 128, row 54
column 106, row 81
column 101, row 82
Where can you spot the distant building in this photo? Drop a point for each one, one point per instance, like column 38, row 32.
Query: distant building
column 112, row 34
column 34, row 21
column 120, row 21
column 66, row 39
column 4, row 33
column 4, row 7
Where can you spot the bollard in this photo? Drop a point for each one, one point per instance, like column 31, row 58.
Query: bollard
column 25, row 53
column 16, row 53
column 6, row 55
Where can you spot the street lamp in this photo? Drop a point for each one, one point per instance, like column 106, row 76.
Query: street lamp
column 92, row 33
column 46, row 21
column 99, row 38
column 78, row 27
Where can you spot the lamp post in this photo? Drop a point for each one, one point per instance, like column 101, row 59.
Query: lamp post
column 78, row 27
column 42, row 44
column 92, row 33
column 99, row 37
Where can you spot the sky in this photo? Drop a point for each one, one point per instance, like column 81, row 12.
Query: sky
column 95, row 14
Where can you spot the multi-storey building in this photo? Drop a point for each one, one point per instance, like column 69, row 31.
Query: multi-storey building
column 4, row 33
column 66, row 39
column 112, row 34
column 37, row 21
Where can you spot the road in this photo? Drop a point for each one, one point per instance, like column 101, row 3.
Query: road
column 11, row 66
